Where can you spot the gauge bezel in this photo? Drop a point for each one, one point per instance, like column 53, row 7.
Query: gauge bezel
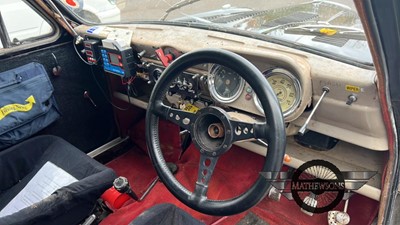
column 297, row 87
column 213, row 90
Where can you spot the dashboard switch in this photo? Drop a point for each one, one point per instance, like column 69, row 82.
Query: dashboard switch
column 350, row 99
column 87, row 96
column 249, row 90
column 165, row 59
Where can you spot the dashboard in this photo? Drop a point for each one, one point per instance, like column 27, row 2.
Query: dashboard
column 297, row 77
column 337, row 101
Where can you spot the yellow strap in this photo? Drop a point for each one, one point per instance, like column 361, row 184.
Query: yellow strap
column 7, row 109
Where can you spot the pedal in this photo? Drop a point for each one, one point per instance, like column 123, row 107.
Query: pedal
column 339, row 218
column 311, row 201
column 274, row 194
column 279, row 184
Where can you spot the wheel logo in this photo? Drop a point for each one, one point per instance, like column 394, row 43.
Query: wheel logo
column 317, row 186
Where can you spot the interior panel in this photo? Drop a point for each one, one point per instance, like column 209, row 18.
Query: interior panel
column 81, row 124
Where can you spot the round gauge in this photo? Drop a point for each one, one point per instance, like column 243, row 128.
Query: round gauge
column 224, row 84
column 286, row 87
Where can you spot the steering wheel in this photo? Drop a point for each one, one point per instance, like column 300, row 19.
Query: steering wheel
column 212, row 145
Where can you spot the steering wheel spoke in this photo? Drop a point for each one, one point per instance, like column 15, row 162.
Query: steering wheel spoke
column 206, row 170
column 179, row 117
column 245, row 131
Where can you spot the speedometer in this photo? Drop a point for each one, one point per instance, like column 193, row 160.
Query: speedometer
column 225, row 85
column 286, row 87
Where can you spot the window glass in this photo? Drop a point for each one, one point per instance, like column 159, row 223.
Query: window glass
column 332, row 28
column 22, row 23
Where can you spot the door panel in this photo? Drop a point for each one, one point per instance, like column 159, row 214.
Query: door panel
column 82, row 124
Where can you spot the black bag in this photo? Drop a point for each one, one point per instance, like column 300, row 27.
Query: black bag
column 27, row 104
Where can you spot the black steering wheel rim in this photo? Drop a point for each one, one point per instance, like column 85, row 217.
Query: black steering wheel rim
column 276, row 137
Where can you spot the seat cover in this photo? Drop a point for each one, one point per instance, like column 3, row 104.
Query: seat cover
column 68, row 205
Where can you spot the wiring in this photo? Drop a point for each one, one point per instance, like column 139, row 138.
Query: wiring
column 127, row 83
column 131, row 79
column 77, row 52
column 105, row 95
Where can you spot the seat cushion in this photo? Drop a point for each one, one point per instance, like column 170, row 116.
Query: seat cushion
column 165, row 214
column 68, row 205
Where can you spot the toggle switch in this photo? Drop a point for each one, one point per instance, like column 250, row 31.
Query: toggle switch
column 87, row 96
column 350, row 99
column 165, row 59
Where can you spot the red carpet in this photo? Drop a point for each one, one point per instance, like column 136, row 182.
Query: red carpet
column 235, row 172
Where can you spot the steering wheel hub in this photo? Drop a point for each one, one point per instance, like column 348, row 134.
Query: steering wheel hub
column 216, row 130
column 213, row 134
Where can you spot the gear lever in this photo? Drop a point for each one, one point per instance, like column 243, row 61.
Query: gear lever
column 172, row 167
column 121, row 184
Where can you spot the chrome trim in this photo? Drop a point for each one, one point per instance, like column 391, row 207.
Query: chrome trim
column 297, row 87
column 107, row 146
column 213, row 91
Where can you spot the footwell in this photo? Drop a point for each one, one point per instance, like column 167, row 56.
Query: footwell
column 236, row 171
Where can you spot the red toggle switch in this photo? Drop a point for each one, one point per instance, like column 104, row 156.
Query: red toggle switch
column 165, row 59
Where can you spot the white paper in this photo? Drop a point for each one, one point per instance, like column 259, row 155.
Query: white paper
column 47, row 180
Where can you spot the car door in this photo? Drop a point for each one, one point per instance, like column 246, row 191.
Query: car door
column 28, row 35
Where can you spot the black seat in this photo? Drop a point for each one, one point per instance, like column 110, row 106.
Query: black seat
column 165, row 214
column 68, row 205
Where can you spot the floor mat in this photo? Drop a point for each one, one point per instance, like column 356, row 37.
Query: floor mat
column 252, row 219
column 235, row 172
column 136, row 166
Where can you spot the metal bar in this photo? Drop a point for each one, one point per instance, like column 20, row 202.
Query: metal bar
column 303, row 128
column 107, row 146
column 153, row 183
column 5, row 39
column 78, row 38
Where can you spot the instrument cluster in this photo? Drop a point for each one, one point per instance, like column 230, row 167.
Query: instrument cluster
column 226, row 86
column 207, row 84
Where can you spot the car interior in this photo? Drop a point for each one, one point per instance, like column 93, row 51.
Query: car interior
column 229, row 115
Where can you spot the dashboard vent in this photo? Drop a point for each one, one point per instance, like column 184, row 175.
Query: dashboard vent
column 292, row 19
column 339, row 42
column 239, row 16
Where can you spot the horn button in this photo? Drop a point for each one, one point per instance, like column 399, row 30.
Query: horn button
column 212, row 131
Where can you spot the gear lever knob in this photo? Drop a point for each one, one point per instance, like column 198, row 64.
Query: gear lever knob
column 121, row 184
